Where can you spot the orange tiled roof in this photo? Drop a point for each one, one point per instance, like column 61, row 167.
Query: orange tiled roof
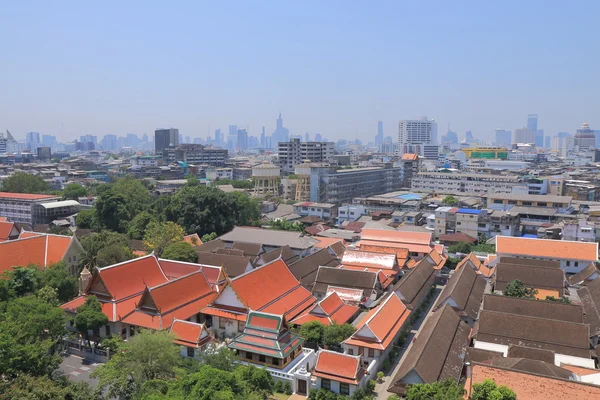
column 378, row 328
column 339, row 367
column 193, row 239
column 190, row 334
column 6, row 228
column 401, row 252
column 328, row 311
column 176, row 269
column 3, row 219
column 533, row 387
column 423, row 238
column 272, row 288
column 41, row 250
column 411, row 247
column 25, row 196
column 410, row 157
column 368, row 259
column 73, row 304
column 547, row 248
column 178, row 292
column 131, row 277
column 28, row 234
column 326, row 242
column 473, row 262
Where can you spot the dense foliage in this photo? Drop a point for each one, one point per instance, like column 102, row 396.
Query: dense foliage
column 466, row 248
column 105, row 248
column 21, row 182
column 447, row 390
column 159, row 235
column 326, row 335
column 180, row 251
column 489, row 390
column 238, row 184
column 516, row 288
column 74, row 191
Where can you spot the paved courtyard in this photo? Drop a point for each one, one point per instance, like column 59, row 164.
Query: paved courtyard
column 79, row 369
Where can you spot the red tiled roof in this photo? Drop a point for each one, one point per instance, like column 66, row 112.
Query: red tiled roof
column 423, row 238
column 411, row 247
column 6, row 228
column 457, row 237
column 180, row 291
column 131, row 277
column 329, row 310
column 73, row 304
column 546, row 248
column 339, row 367
column 189, row 333
column 326, row 242
column 379, row 327
column 224, row 313
column 370, row 259
column 26, row 196
column 401, row 253
column 193, row 239
column 176, row 269
column 410, row 156
column 40, row 250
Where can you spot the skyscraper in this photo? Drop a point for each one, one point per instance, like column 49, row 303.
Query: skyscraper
column 450, row 138
column 318, row 137
column 418, row 136
column 263, row 143
column 33, row 140
column 307, row 137
column 281, row 134
column 532, row 122
column 242, row 139
column 164, row 138
column 218, row 138
column 523, row 135
column 547, row 142
column 379, row 137
column 503, row 137
column 109, row 142
column 538, row 137
column 585, row 138
column 469, row 136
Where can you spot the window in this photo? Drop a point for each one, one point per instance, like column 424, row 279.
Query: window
column 371, row 353
column 222, row 322
column 262, row 358
column 527, row 203
column 248, row 355
column 107, row 330
column 481, row 225
column 190, row 352
column 577, row 263
column 276, row 361
column 325, row 383
column 568, row 263
column 350, row 351
column 459, row 223
column 496, row 201
column 541, row 204
column 344, row 389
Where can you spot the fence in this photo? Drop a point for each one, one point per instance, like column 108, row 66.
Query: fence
column 82, row 350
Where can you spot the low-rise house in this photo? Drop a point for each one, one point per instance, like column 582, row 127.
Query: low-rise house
column 366, row 282
column 191, row 336
column 545, row 277
column 251, row 250
column 270, row 239
column 437, row 353
column 378, row 330
column 42, row 250
column 573, row 256
column 414, row 287
column 588, row 274
column 385, row 265
column 325, row 211
column 284, row 252
column 402, row 254
column 464, row 293
column 234, row 265
column 331, row 310
column 590, row 300
column 305, row 269
column 486, row 269
column 271, row 288
column 419, row 244
column 339, row 373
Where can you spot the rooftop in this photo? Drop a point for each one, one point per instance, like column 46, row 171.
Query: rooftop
column 546, row 248
column 269, row 237
column 26, row 196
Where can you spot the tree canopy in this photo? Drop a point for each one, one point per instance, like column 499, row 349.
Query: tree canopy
column 105, row 248
column 328, row 335
column 447, row 390
column 180, row 251
column 516, row 288
column 74, row 191
column 139, row 224
column 21, row 182
column 450, row 200
column 159, row 235
column 489, row 390
column 90, row 317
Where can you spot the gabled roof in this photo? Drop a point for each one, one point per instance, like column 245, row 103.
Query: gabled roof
column 533, row 308
column 370, row 259
column 130, row 277
column 271, row 288
column 536, row 367
column 337, row 245
column 330, row 310
column 422, row 238
column 249, row 249
column 305, row 269
column 233, row 265
column 583, row 275
column 210, row 247
column 416, row 281
column 438, row 352
column 345, row 278
column 37, row 249
column 472, row 261
column 267, row 334
column 457, row 237
column 401, row 253
column 267, row 237
column 379, row 327
column 190, row 334
column 193, row 239
column 284, row 252
column 511, row 329
column 464, row 292
column 339, row 367
column 8, row 230
column 590, row 300
column 536, row 277
column 547, row 248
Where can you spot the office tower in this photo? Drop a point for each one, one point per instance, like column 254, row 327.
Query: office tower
column 503, row 137
column 307, row 137
column 538, row 137
column 318, row 137
column 296, row 152
column 109, row 142
column 48, row 140
column 532, row 122
column 195, row 154
column 523, row 135
column 418, row 136
column 262, row 138
column 132, row 140
column 233, row 130
column 469, row 136
column 450, row 138
column 268, row 142
column 44, row 153
column 188, row 139
column 547, row 142
column 585, row 138
column 379, row 137
column 218, row 138
column 163, row 138
column 253, row 142
column 180, row 138
column 89, row 139
column 242, row 139
column 33, row 140
column 281, row 134
column 597, row 134
column 145, row 138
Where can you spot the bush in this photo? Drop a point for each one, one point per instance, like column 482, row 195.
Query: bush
column 287, row 388
column 278, row 387
column 371, row 386
column 385, row 365
column 380, row 375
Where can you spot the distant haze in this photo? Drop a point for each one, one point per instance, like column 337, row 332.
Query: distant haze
column 337, row 67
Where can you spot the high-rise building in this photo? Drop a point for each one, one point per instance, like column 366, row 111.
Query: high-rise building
column 132, row 140
column 242, row 139
column 307, row 137
column 450, row 138
column 547, row 142
column 416, row 132
column 281, row 134
column 503, row 137
column 379, row 137
column 523, row 135
column 109, row 142
column 89, row 139
column 218, row 138
column 469, row 136
column 195, row 154
column 585, row 138
column 188, row 139
column 33, row 140
column 532, row 122
column 262, row 138
column 44, row 153
column 318, row 137
column 296, row 152
column 48, row 140
column 163, row 138
column 538, row 137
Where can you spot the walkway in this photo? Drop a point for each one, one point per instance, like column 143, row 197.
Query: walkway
column 381, row 388
column 78, row 369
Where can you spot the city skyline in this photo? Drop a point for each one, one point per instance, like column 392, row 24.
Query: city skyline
column 70, row 76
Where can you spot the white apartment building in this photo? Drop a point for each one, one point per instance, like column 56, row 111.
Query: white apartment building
column 449, row 182
column 296, row 152
column 422, row 132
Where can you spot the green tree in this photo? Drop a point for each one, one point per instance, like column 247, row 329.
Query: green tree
column 257, row 380
column 324, row 394
column 238, row 184
column 489, row 390
column 48, row 295
column 208, row 237
column 447, row 390
column 112, row 211
column 139, row 224
column 73, row 191
column 516, row 288
column 26, row 387
column 460, row 247
column 450, row 200
column 180, row 251
column 336, row 334
column 159, row 235
column 222, row 358
column 21, row 182
column 90, row 317
column 485, row 248
column 312, row 332
column 94, row 243
column 558, row 299
column 58, row 278
column 283, row 225
column 86, row 219
column 148, row 355
column 22, row 281
column 113, row 254
column 137, row 196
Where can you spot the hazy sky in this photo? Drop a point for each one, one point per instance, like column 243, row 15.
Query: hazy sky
column 337, row 67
